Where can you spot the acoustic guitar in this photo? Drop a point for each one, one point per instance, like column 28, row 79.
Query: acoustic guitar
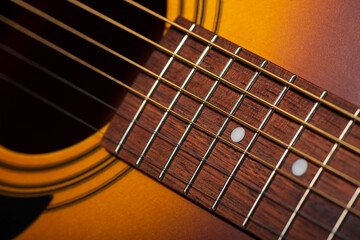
column 157, row 120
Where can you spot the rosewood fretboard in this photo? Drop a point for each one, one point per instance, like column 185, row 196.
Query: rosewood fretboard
column 257, row 189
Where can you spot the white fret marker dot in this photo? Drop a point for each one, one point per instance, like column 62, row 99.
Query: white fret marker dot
column 238, row 134
column 299, row 167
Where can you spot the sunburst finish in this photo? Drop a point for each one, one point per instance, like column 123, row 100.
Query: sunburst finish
column 97, row 196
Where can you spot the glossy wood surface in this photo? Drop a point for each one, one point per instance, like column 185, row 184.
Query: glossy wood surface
column 316, row 41
column 283, row 194
column 137, row 207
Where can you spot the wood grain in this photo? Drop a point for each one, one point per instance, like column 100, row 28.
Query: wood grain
column 317, row 216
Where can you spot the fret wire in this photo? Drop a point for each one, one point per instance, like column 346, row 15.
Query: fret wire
column 200, row 190
column 272, row 198
column 63, row 80
column 172, row 104
column 250, row 145
column 23, row 88
column 72, row 85
column 252, row 187
column 354, row 196
column 282, row 159
column 316, row 177
column 220, row 131
column 248, row 185
column 245, row 185
column 343, row 214
column 252, row 65
column 277, row 141
column 150, row 93
column 192, row 178
column 194, row 119
column 211, row 74
column 82, row 62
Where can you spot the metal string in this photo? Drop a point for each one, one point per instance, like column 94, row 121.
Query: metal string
column 128, row 148
column 277, row 141
column 251, row 95
column 242, row 60
column 53, row 46
column 81, row 35
column 203, row 70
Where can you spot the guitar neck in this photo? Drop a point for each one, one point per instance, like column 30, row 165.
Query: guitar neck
column 242, row 137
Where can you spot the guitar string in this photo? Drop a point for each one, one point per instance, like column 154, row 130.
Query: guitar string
column 230, row 206
column 277, row 141
column 199, row 156
column 185, row 60
column 270, row 166
column 55, row 76
column 242, row 60
column 251, row 95
column 9, row 80
column 128, row 148
column 242, row 213
column 316, row 129
column 217, row 25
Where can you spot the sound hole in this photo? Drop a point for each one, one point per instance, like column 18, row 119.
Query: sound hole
column 29, row 125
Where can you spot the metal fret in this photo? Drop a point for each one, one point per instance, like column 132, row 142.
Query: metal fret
column 250, row 145
column 197, row 114
column 208, row 151
column 352, row 199
column 173, row 102
column 280, row 162
column 316, row 177
column 151, row 91
column 221, row 130
column 344, row 213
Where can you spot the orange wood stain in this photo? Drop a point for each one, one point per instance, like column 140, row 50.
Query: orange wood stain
column 316, row 39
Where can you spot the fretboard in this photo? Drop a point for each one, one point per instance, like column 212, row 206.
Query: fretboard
column 264, row 155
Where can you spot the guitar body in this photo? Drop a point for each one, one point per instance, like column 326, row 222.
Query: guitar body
column 96, row 196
